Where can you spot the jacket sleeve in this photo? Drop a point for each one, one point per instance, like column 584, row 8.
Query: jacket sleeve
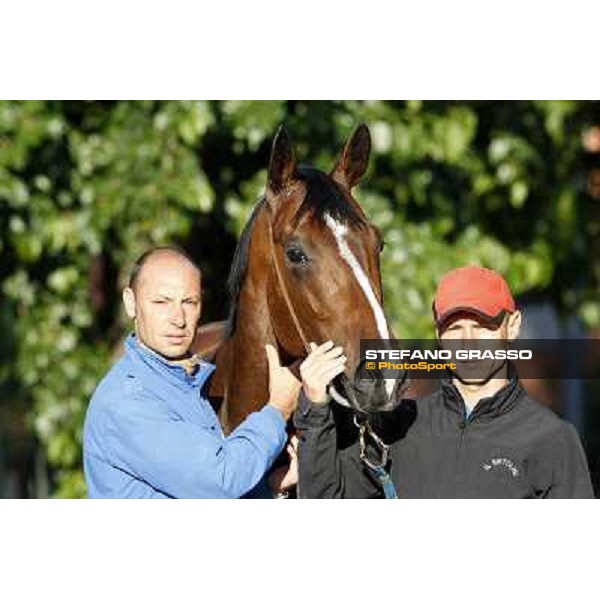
column 571, row 476
column 186, row 460
column 324, row 470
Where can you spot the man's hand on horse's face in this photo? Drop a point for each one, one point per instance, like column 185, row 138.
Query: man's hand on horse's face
column 284, row 387
column 319, row 369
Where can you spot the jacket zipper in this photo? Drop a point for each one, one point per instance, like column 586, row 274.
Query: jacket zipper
column 463, row 425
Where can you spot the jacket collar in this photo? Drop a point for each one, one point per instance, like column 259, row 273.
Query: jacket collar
column 160, row 367
column 502, row 401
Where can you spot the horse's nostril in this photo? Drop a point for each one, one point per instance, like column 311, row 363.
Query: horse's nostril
column 363, row 373
column 368, row 381
column 371, row 392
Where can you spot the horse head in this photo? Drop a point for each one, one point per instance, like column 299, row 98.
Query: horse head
column 324, row 277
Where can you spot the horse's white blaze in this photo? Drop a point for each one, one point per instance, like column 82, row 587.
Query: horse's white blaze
column 339, row 232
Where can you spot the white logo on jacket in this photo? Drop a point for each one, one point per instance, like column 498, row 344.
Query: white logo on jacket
column 502, row 462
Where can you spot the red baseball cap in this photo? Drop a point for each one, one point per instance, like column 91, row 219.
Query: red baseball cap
column 472, row 289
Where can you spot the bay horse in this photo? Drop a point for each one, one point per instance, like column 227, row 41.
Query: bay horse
column 306, row 269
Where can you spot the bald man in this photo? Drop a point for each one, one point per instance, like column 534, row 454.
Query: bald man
column 150, row 431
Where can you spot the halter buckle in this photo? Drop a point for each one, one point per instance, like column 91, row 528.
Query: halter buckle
column 364, row 430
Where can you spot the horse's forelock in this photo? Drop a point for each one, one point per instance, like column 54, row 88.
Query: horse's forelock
column 325, row 197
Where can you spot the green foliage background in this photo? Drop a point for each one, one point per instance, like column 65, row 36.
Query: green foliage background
column 85, row 187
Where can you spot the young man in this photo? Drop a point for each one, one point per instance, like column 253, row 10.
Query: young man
column 149, row 430
column 478, row 436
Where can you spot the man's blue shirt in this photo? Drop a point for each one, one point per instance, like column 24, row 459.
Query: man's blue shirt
column 151, row 433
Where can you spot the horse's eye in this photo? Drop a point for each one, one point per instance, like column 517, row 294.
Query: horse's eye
column 381, row 246
column 296, row 256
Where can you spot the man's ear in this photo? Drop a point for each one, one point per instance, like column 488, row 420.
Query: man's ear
column 513, row 325
column 129, row 302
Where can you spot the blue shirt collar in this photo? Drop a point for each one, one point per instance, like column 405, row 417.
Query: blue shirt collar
column 164, row 368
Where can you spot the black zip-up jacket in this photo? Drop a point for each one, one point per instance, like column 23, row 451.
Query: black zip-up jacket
column 510, row 446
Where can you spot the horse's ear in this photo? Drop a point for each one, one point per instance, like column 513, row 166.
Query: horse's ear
column 355, row 158
column 282, row 165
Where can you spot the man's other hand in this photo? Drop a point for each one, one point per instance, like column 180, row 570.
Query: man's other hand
column 285, row 477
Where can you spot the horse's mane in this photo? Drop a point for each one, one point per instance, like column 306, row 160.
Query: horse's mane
column 239, row 266
column 323, row 196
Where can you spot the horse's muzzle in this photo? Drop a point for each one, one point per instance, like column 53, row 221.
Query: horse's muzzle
column 368, row 393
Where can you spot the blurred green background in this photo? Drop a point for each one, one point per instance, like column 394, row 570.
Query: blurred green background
column 85, row 187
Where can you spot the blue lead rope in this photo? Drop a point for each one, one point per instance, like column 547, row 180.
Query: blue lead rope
column 378, row 469
column 389, row 489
